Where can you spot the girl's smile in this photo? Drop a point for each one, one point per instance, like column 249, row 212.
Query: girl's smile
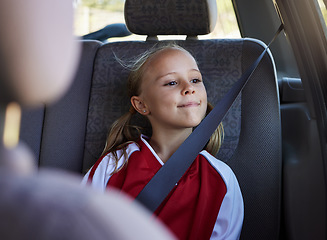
column 189, row 104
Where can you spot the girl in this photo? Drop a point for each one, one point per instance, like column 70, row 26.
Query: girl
column 166, row 86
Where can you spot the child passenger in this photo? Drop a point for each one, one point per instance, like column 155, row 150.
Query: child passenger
column 165, row 85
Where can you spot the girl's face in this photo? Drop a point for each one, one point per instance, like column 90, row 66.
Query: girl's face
column 172, row 91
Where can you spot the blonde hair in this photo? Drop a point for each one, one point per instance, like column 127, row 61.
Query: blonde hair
column 123, row 132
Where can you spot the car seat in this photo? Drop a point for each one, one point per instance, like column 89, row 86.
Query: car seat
column 56, row 131
column 252, row 145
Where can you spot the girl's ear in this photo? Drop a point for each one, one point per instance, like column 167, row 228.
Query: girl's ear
column 139, row 105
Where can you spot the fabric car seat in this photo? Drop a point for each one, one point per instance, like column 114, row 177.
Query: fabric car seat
column 252, row 145
column 55, row 132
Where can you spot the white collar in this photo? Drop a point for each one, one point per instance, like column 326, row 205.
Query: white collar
column 144, row 139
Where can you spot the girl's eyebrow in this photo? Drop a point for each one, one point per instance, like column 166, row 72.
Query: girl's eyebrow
column 166, row 74
column 194, row 69
column 174, row 73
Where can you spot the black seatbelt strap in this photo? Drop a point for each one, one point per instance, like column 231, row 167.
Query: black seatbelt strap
column 169, row 174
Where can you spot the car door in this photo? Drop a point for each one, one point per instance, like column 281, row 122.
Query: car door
column 301, row 63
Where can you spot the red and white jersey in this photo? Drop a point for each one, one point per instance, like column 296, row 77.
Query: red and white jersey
column 206, row 203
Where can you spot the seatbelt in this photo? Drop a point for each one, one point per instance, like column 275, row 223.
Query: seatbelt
column 169, row 174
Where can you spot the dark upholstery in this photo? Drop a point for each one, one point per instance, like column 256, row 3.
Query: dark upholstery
column 152, row 18
column 31, row 129
column 56, row 133
column 257, row 160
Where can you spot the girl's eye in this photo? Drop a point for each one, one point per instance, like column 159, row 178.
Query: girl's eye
column 195, row 80
column 171, row 83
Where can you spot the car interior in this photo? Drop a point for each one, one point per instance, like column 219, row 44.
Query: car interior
column 272, row 162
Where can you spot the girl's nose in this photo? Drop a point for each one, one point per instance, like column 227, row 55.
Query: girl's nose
column 188, row 89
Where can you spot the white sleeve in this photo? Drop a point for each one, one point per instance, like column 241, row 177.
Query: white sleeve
column 85, row 178
column 106, row 167
column 230, row 217
column 102, row 173
column 229, row 221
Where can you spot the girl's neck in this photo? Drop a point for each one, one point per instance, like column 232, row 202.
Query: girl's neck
column 165, row 143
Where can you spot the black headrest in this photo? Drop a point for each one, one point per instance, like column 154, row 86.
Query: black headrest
column 171, row 17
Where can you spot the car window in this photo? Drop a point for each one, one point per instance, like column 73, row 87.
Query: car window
column 92, row 15
column 322, row 6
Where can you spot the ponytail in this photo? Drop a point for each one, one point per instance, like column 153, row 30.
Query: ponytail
column 216, row 138
column 120, row 135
